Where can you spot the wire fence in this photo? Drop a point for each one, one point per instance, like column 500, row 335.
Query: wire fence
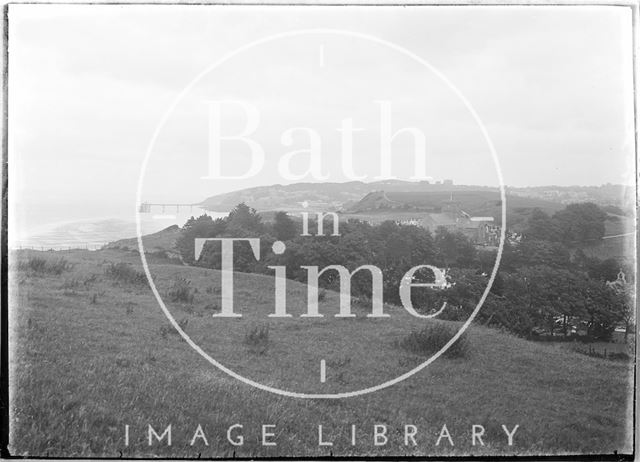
column 61, row 248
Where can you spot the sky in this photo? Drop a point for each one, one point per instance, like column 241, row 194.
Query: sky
column 89, row 85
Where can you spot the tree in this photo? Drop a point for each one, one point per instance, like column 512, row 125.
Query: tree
column 540, row 226
column 533, row 252
column 623, row 297
column 454, row 248
column 580, row 223
column 284, row 228
column 604, row 270
column 245, row 218
column 600, row 307
column 202, row 227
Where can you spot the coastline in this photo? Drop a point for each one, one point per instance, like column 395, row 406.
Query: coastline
column 91, row 233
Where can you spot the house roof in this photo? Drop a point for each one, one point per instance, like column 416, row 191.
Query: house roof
column 439, row 219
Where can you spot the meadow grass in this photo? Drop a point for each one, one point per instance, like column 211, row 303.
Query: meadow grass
column 85, row 364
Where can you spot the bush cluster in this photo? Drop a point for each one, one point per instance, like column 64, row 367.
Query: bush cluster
column 181, row 291
column 41, row 265
column 257, row 338
column 432, row 337
column 125, row 273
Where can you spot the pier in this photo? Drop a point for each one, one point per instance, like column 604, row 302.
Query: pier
column 146, row 207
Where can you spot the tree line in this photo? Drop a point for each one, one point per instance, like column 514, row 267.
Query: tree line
column 545, row 284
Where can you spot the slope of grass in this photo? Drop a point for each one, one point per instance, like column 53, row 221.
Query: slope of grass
column 161, row 241
column 91, row 353
column 620, row 247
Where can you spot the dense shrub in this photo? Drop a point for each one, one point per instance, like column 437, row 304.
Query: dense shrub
column 125, row 273
column 181, row 291
column 41, row 265
column 432, row 337
column 257, row 338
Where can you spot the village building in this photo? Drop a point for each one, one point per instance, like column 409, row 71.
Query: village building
column 453, row 218
column 377, row 207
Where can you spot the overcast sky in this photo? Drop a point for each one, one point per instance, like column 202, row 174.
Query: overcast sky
column 89, row 84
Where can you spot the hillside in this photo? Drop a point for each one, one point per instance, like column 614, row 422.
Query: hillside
column 358, row 197
column 478, row 202
column 615, row 195
column 87, row 341
column 321, row 196
column 333, row 196
column 163, row 240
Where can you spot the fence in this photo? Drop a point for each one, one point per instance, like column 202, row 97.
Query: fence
column 61, row 248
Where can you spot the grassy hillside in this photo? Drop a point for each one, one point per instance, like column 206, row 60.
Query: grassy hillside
column 324, row 196
column 335, row 196
column 162, row 240
column 92, row 352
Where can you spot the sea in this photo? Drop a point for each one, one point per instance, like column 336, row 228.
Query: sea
column 70, row 227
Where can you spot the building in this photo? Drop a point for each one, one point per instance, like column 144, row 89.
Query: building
column 454, row 219
column 377, row 207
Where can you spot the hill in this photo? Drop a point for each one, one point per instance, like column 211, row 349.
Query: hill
column 321, row 196
column 388, row 197
column 333, row 196
column 476, row 202
column 619, row 196
column 161, row 241
column 92, row 352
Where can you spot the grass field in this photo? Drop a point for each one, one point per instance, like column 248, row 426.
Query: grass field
column 91, row 352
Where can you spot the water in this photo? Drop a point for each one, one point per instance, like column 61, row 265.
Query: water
column 73, row 227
